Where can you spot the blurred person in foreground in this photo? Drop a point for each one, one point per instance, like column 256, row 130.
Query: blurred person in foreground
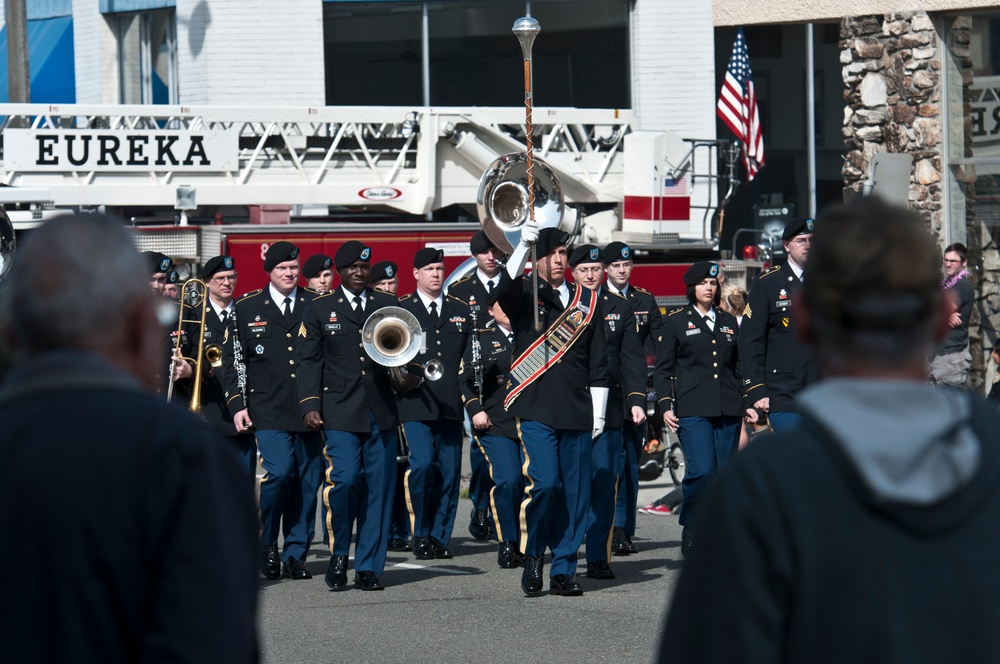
column 866, row 533
column 130, row 570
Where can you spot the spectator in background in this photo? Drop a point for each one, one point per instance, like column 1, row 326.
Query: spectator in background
column 952, row 359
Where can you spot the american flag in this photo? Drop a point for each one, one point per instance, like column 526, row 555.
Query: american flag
column 738, row 107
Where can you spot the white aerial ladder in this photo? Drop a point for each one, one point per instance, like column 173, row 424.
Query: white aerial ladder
column 177, row 159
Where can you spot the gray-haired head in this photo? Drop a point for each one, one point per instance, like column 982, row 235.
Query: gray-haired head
column 72, row 280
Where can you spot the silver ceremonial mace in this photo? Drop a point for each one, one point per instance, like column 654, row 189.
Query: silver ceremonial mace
column 526, row 29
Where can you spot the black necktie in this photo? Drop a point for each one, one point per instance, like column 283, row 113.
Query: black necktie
column 288, row 308
column 489, row 286
column 224, row 317
column 434, row 313
column 510, row 338
column 358, row 308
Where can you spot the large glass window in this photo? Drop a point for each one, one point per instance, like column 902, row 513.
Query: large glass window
column 147, row 54
column 374, row 53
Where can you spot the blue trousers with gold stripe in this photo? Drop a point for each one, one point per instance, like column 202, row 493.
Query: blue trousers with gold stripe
column 633, row 437
column 557, row 492
column 503, row 463
column 360, row 472
column 293, row 466
column 434, row 478
column 603, row 490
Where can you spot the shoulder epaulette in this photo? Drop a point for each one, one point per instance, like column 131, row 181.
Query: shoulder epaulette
column 767, row 272
column 640, row 289
column 462, row 280
column 608, row 291
column 676, row 311
column 320, row 296
column 250, row 294
column 457, row 299
column 404, row 298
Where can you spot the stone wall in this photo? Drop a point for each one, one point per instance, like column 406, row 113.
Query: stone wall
column 892, row 88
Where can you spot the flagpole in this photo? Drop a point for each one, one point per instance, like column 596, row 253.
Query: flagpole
column 811, row 119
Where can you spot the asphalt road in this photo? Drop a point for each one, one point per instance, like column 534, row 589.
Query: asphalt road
column 468, row 610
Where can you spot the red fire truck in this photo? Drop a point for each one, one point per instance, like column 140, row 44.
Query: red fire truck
column 388, row 176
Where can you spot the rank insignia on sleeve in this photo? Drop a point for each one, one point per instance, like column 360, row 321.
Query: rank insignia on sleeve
column 302, row 330
column 747, row 313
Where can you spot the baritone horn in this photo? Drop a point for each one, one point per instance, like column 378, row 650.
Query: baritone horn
column 392, row 337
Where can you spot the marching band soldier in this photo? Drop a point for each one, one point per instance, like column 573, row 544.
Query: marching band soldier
column 172, row 367
column 261, row 393
column 432, row 413
column 342, row 391
column 219, row 275
column 494, row 429
column 474, row 289
column 618, row 265
column 557, row 383
column 627, row 374
column 776, row 365
column 384, row 276
column 318, row 273
column 160, row 266
column 698, row 348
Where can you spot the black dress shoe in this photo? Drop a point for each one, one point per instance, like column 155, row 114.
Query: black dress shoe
column 270, row 561
column 439, row 549
column 531, row 578
column 508, row 557
column 336, row 573
column 399, row 544
column 368, row 581
column 632, row 548
column 293, row 569
column 687, row 542
column 422, row 548
column 564, row 584
column 600, row 569
column 478, row 527
column 619, row 545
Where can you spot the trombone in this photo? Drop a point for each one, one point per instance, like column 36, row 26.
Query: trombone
column 194, row 299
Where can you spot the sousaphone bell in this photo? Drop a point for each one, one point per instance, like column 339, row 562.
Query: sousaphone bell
column 502, row 200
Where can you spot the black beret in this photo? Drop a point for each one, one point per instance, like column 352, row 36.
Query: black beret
column 158, row 262
column 172, row 277
column 617, row 251
column 700, row 270
column 798, row 226
column 480, row 244
column 427, row 256
column 315, row 264
column 279, row 252
column 549, row 239
column 585, row 253
column 383, row 270
column 350, row 253
column 217, row 264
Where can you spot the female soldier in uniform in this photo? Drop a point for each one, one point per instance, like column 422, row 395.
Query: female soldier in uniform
column 697, row 371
